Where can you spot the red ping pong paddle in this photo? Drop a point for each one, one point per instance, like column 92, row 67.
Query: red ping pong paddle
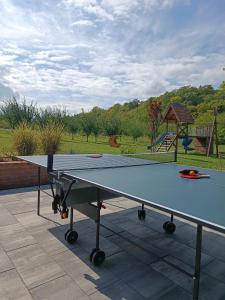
column 192, row 174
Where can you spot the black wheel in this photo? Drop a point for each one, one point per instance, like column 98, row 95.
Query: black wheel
column 65, row 235
column 169, row 227
column 71, row 237
column 164, row 225
column 98, row 257
column 92, row 253
column 141, row 214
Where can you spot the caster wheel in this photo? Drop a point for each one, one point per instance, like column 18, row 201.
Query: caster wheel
column 92, row 253
column 65, row 235
column 141, row 214
column 164, row 225
column 97, row 257
column 71, row 237
column 169, row 227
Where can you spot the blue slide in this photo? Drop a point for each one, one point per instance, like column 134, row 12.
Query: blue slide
column 159, row 140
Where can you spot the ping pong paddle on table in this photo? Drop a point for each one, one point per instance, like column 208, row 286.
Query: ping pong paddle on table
column 94, row 155
column 192, row 174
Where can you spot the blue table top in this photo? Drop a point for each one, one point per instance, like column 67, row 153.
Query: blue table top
column 159, row 185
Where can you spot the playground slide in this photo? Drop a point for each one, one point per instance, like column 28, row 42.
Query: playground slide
column 159, row 140
column 186, row 142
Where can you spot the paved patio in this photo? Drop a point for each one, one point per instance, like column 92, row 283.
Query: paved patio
column 37, row 263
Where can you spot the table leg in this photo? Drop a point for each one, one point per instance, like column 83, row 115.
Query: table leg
column 98, row 220
column 197, row 262
column 39, row 191
column 71, row 218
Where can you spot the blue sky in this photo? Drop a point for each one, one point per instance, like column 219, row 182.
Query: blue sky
column 85, row 53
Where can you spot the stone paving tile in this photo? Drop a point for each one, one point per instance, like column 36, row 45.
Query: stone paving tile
column 88, row 277
column 29, row 256
column 178, row 294
column 180, row 251
column 15, row 236
column 178, row 277
column 5, row 262
column 210, row 288
column 58, row 289
column 34, row 266
column 144, row 256
column 35, row 276
column 215, row 268
column 122, row 263
column 12, row 287
column 30, row 219
column 6, row 218
column 149, row 283
column 117, row 291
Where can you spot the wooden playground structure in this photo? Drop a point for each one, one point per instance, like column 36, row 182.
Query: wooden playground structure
column 181, row 119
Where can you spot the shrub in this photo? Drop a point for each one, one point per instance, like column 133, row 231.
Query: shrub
column 51, row 136
column 127, row 150
column 24, row 139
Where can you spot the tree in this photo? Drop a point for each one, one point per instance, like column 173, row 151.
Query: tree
column 73, row 126
column 16, row 113
column 97, row 127
column 135, row 130
column 47, row 115
column 112, row 126
column 87, row 124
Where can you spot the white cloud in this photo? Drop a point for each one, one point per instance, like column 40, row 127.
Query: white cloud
column 87, row 52
column 83, row 23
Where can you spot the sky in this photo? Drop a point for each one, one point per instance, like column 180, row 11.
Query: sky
column 84, row 53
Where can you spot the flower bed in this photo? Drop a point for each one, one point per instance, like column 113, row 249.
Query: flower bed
column 15, row 173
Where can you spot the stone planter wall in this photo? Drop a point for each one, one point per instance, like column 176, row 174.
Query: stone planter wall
column 14, row 174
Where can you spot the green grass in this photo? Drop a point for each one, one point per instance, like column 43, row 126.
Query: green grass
column 80, row 145
column 5, row 142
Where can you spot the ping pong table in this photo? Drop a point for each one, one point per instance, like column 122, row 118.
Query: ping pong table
column 83, row 182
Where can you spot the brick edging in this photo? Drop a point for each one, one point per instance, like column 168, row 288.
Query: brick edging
column 14, row 174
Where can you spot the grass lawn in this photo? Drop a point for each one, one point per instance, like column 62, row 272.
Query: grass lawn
column 80, row 145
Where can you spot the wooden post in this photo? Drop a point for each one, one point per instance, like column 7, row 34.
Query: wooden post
column 215, row 132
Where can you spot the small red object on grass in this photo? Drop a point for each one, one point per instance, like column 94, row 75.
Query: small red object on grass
column 192, row 174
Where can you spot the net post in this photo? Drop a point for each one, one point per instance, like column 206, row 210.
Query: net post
column 50, row 163
column 175, row 155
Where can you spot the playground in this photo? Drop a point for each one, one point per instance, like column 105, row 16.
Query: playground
column 180, row 129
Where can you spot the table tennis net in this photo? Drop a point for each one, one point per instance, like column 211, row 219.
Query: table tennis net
column 93, row 161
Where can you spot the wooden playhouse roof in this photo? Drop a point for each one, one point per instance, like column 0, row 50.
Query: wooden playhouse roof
column 177, row 112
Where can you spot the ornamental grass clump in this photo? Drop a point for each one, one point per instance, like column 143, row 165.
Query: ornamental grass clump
column 24, row 139
column 50, row 137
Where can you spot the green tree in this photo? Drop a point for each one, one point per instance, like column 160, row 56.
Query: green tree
column 135, row 130
column 112, row 126
column 73, row 126
column 97, row 127
column 87, row 124
column 15, row 112
column 47, row 115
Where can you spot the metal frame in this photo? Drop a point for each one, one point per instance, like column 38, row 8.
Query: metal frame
column 99, row 204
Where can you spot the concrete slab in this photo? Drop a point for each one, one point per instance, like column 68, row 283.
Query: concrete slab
column 58, row 289
column 12, row 287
